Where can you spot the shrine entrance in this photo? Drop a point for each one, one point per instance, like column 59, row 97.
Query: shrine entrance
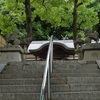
column 62, row 49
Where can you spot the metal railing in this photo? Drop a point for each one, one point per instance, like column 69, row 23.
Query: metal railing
column 47, row 72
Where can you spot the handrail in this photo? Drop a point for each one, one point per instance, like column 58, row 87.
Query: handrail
column 47, row 72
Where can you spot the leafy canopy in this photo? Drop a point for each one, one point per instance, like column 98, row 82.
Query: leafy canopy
column 56, row 13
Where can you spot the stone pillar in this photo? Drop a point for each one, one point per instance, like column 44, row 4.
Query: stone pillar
column 11, row 53
column 91, row 51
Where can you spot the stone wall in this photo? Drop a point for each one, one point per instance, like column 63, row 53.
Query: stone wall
column 91, row 51
column 11, row 53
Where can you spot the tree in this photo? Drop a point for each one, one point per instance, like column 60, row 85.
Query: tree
column 28, row 18
column 52, row 15
column 95, row 4
column 75, row 21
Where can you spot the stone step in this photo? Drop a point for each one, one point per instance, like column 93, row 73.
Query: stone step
column 21, row 69
column 93, row 95
column 26, row 81
column 71, row 66
column 75, row 74
column 29, row 67
column 84, row 87
column 57, row 88
column 21, row 81
column 19, row 96
column 83, row 80
column 55, row 70
column 82, row 70
column 89, row 95
column 55, row 66
column 73, row 62
column 21, row 75
column 25, row 71
column 31, row 81
column 79, row 80
column 75, row 87
column 60, row 80
column 76, row 67
column 24, row 66
column 55, row 79
column 20, row 88
column 56, row 75
column 75, row 80
column 31, row 88
column 54, row 88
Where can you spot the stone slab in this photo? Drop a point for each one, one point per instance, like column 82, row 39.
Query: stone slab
column 98, row 63
column 92, row 55
column 20, row 88
column 10, row 56
column 11, row 48
column 2, row 65
column 91, row 46
column 82, row 80
column 91, row 51
column 86, row 95
column 19, row 96
column 11, row 53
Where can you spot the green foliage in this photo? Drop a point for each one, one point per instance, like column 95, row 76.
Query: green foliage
column 87, row 17
column 11, row 16
column 48, row 16
column 95, row 4
column 6, row 24
column 40, row 33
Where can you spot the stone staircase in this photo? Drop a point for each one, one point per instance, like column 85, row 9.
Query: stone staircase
column 71, row 80
column 81, row 80
column 21, row 81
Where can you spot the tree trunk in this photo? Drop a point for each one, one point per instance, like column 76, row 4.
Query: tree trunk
column 28, row 20
column 75, row 22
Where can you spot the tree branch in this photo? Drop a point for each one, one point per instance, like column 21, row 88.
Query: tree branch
column 79, row 4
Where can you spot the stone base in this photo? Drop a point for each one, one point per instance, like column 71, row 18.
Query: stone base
column 92, row 55
column 91, row 51
column 2, row 65
column 11, row 53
